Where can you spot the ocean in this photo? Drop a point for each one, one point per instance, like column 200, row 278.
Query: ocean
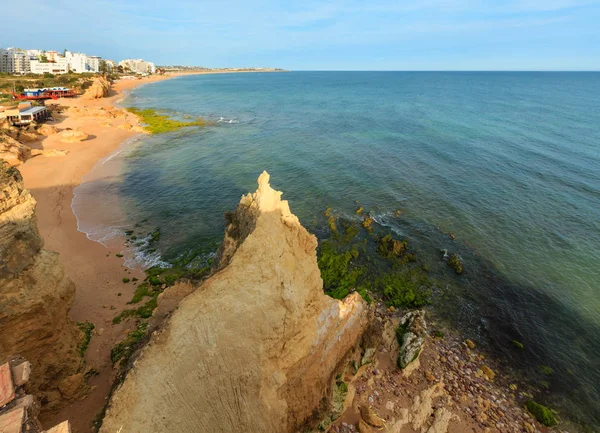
column 508, row 163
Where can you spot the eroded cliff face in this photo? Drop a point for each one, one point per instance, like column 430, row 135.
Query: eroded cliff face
column 35, row 297
column 256, row 347
column 99, row 89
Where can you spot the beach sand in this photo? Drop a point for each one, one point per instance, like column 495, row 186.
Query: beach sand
column 95, row 269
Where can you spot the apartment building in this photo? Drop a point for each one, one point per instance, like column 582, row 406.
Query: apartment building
column 59, row 66
column 14, row 61
column 138, row 66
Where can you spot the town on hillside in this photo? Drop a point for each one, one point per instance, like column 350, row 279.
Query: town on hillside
column 22, row 62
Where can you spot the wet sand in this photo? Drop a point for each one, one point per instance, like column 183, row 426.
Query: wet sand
column 95, row 269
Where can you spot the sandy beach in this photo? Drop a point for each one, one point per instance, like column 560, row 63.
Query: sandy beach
column 95, row 269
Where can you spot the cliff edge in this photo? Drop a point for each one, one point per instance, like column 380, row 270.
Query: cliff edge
column 256, row 347
column 35, row 297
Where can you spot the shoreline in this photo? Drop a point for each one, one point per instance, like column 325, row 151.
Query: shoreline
column 125, row 288
column 94, row 268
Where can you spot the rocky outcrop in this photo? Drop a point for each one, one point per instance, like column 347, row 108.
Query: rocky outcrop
column 72, row 136
column 99, row 89
column 413, row 337
column 12, row 151
column 256, row 347
column 19, row 410
column 47, row 130
column 35, row 295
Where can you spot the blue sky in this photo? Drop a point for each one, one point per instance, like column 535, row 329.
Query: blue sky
column 318, row 35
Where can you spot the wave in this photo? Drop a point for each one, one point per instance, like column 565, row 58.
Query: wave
column 228, row 121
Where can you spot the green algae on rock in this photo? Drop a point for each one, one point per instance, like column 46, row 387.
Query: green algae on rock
column 156, row 123
column 455, row 263
column 541, row 413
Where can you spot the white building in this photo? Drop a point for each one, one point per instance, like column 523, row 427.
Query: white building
column 110, row 65
column 34, row 53
column 138, row 66
column 14, row 61
column 52, row 56
column 59, row 66
column 93, row 64
column 77, row 61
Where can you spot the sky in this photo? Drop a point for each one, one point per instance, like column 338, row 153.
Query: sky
column 317, row 35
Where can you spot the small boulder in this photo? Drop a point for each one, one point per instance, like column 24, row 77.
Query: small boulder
column 371, row 417
column 28, row 136
column 489, row 373
column 72, row 136
column 411, row 335
column 73, row 386
column 47, row 130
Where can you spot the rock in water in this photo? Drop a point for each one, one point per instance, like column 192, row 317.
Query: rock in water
column 256, row 347
column 35, row 294
column 412, row 340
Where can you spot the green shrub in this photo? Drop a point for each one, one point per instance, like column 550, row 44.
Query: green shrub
column 541, row 413
column 155, row 281
column 122, row 351
column 119, row 255
column 126, row 280
column 144, row 312
column 86, row 328
column 141, row 291
column 544, row 369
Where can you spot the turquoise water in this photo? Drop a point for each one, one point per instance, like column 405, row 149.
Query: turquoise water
column 507, row 162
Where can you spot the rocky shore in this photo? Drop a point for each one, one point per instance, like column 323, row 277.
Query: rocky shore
column 245, row 338
column 257, row 346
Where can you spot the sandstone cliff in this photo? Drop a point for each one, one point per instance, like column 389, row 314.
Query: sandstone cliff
column 99, row 89
column 12, row 151
column 254, row 349
column 35, row 296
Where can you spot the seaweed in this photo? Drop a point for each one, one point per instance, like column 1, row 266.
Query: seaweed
column 156, row 123
column 541, row 413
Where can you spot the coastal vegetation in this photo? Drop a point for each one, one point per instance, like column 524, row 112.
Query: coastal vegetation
column 541, row 413
column 455, row 263
column 156, row 122
column 518, row 344
column 9, row 82
column 355, row 258
column 157, row 278
column 122, row 351
column 86, row 328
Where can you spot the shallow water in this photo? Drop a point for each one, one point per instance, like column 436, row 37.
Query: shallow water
column 507, row 162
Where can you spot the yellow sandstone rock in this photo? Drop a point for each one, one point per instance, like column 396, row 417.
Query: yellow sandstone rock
column 488, row 372
column 254, row 348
